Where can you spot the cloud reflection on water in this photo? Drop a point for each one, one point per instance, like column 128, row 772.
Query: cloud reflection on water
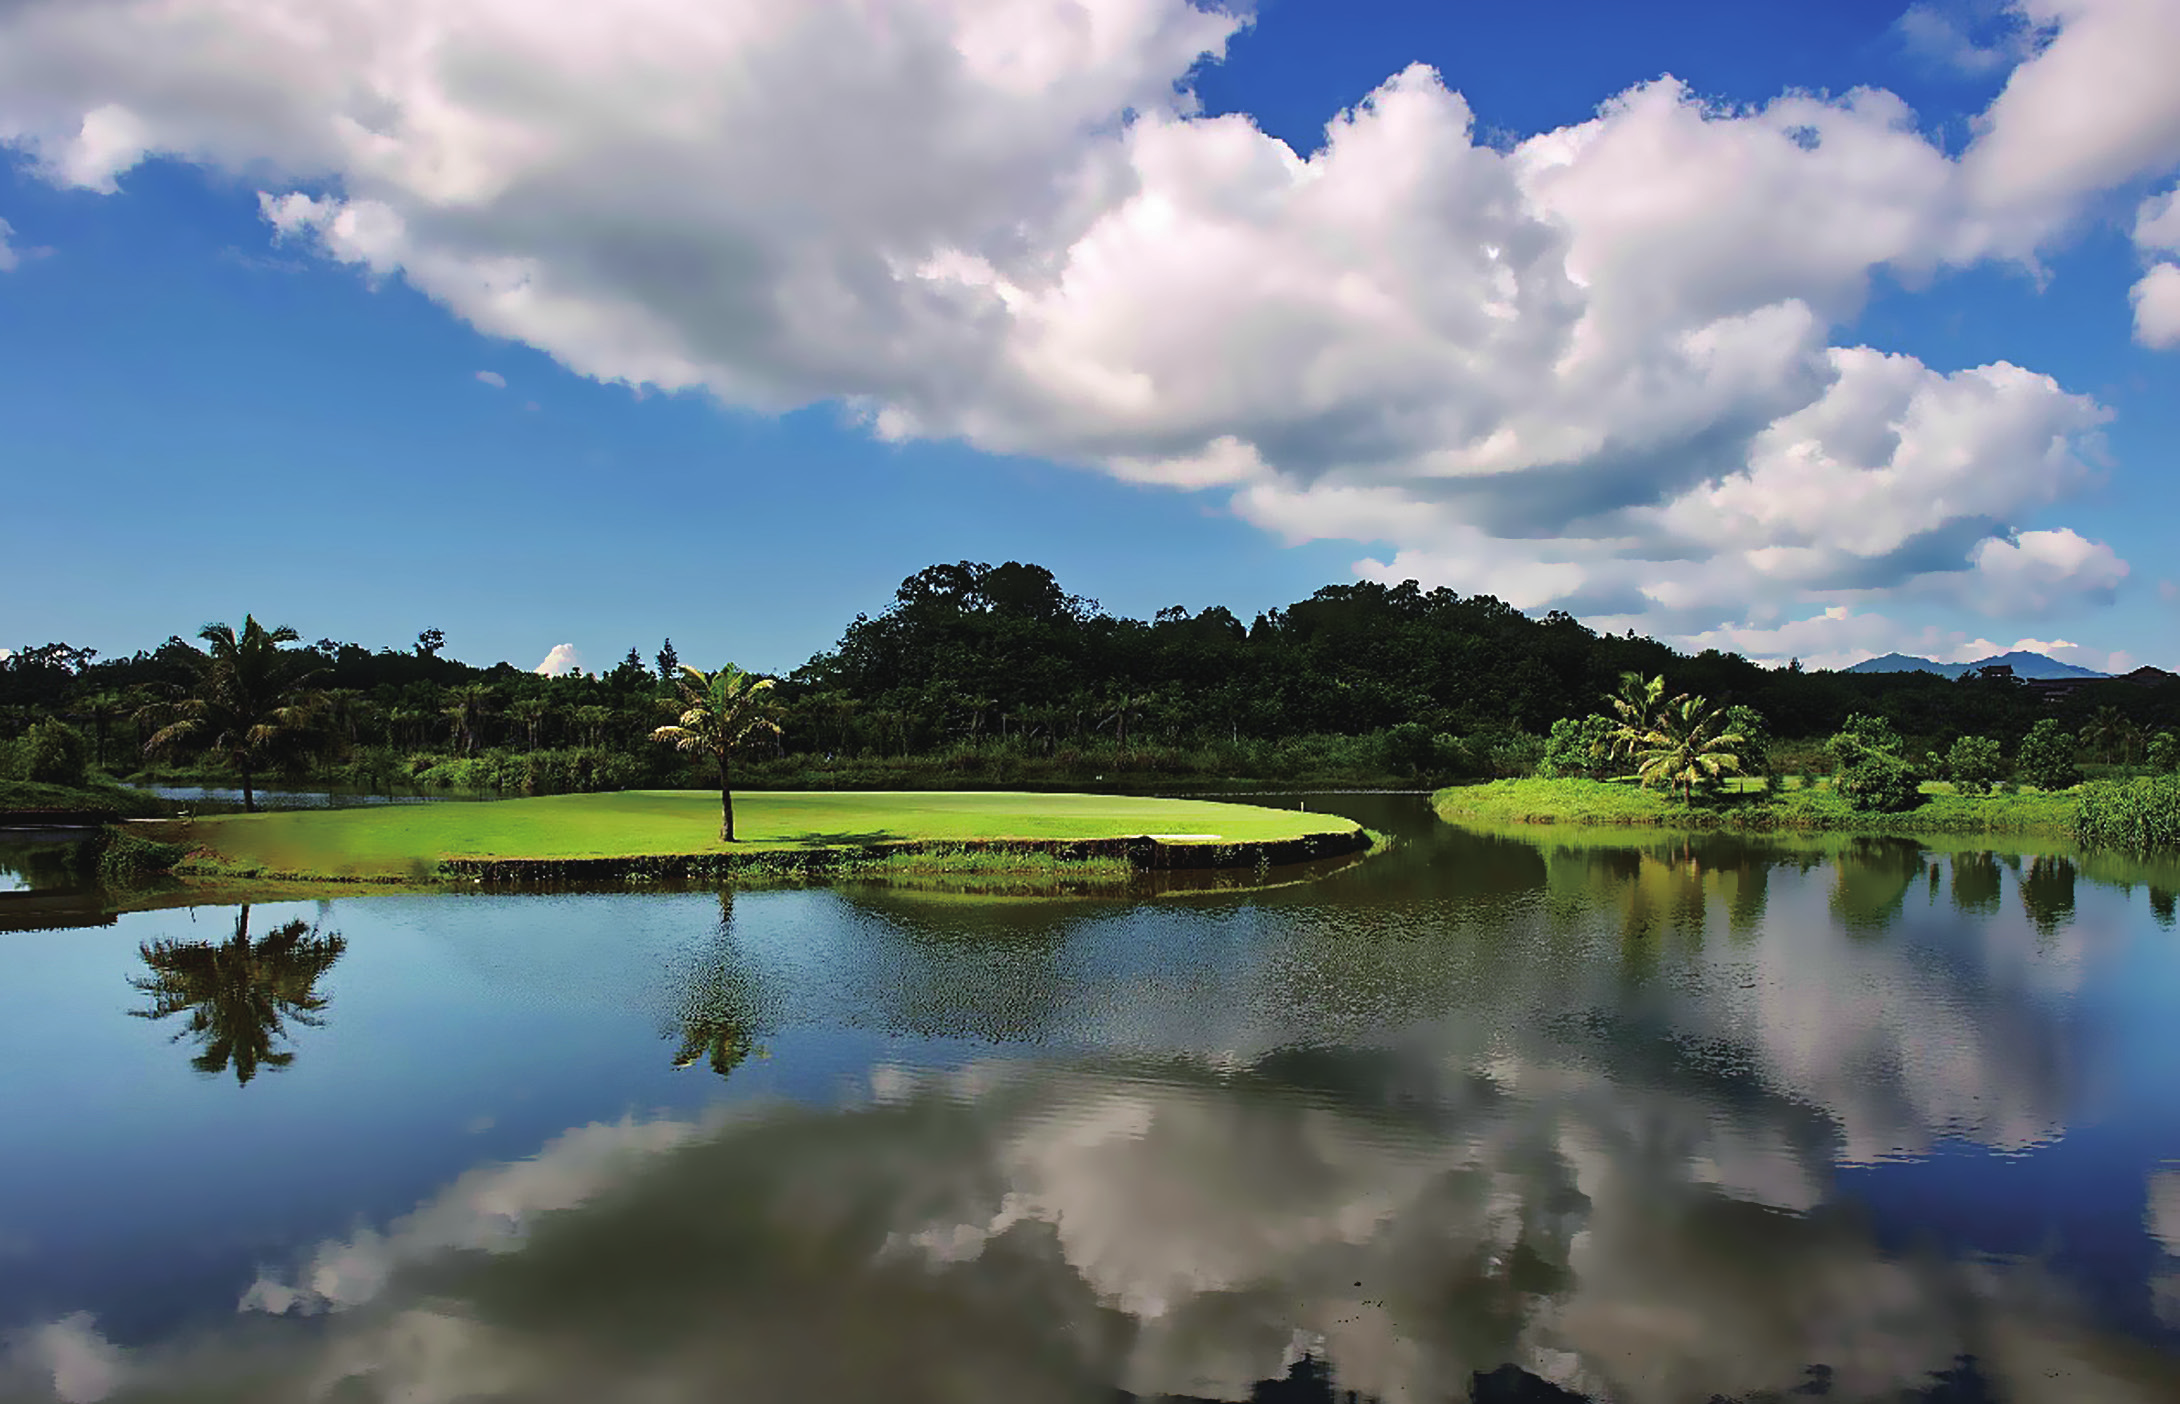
column 1015, row 1231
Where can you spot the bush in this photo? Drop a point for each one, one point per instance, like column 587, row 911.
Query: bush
column 2046, row 759
column 2137, row 814
column 1410, row 751
column 1882, row 782
column 1860, row 738
column 2164, row 753
column 50, row 753
column 1973, row 765
column 1576, row 749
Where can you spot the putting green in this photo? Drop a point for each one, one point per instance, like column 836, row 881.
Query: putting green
column 404, row 839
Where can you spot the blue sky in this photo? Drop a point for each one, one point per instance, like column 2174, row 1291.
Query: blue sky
column 716, row 320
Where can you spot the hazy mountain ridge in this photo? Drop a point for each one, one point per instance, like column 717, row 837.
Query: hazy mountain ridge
column 2023, row 663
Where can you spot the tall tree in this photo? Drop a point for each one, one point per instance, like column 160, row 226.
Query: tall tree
column 239, row 993
column 719, row 711
column 669, row 661
column 251, row 701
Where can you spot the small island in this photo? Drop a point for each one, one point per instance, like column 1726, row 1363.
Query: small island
column 675, row 834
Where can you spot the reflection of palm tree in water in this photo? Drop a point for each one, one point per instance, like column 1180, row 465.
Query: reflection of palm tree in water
column 719, row 1018
column 239, row 993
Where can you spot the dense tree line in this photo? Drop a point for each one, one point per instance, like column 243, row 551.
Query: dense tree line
column 978, row 665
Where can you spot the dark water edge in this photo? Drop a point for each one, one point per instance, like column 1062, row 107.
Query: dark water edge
column 1695, row 1117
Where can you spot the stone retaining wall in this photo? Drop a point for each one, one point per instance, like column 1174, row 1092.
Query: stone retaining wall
column 1148, row 854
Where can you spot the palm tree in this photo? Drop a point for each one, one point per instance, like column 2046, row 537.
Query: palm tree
column 238, row 993
column 530, row 712
column 719, row 712
column 1635, row 712
column 1690, row 742
column 466, row 706
column 251, row 702
column 2111, row 730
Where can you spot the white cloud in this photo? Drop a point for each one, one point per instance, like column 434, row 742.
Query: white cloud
column 2156, row 300
column 1972, row 39
column 2026, row 574
column 493, row 379
column 2157, row 223
column 1588, row 371
column 2095, row 108
column 561, row 660
column 9, row 258
column 69, row 1358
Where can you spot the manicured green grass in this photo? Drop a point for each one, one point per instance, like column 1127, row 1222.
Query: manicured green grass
column 1616, row 802
column 409, row 840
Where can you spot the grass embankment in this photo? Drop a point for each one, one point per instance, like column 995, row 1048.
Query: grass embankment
column 31, row 802
column 1619, row 802
column 676, row 832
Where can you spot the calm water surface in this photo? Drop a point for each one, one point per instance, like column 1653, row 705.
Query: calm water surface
column 1645, row 1118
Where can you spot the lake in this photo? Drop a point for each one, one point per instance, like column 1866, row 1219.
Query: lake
column 1552, row 1115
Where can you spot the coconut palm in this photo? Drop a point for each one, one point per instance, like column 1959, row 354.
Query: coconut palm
column 719, row 712
column 2110, row 730
column 251, row 703
column 1689, row 743
column 1635, row 707
column 239, row 993
column 466, row 706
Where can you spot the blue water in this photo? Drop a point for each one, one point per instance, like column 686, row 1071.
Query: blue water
column 1650, row 1118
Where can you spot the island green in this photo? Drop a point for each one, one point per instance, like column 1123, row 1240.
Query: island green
column 419, row 840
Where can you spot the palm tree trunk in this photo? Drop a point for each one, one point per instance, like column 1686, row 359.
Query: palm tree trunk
column 249, row 796
column 726, row 803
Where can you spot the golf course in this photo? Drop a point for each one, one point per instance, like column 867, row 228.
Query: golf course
column 630, row 829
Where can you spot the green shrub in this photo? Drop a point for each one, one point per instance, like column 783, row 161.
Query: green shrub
column 1861, row 737
column 2046, row 759
column 1972, row 764
column 1756, row 741
column 51, row 752
column 2164, row 753
column 1409, row 751
column 1576, row 749
column 1881, row 782
column 2134, row 814
column 123, row 855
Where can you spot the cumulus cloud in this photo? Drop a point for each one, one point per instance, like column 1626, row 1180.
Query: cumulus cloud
column 2156, row 300
column 1584, row 360
column 561, row 660
column 68, row 1357
column 1974, row 39
column 493, row 379
column 9, row 258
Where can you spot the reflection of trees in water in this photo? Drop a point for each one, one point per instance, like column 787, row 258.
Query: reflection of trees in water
column 1665, row 887
column 239, row 993
column 1873, row 878
column 2161, row 906
column 1975, row 883
column 719, row 1016
column 2047, row 892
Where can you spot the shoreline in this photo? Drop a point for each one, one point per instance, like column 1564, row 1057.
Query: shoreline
column 1610, row 804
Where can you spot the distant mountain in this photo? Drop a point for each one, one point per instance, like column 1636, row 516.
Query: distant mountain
column 2024, row 665
column 1901, row 663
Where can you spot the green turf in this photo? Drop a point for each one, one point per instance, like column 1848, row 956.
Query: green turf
column 408, row 839
column 1570, row 801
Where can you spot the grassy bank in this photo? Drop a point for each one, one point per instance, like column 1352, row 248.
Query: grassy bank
column 1617, row 802
column 578, row 832
column 24, row 801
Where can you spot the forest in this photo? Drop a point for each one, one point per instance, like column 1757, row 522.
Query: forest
column 995, row 674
